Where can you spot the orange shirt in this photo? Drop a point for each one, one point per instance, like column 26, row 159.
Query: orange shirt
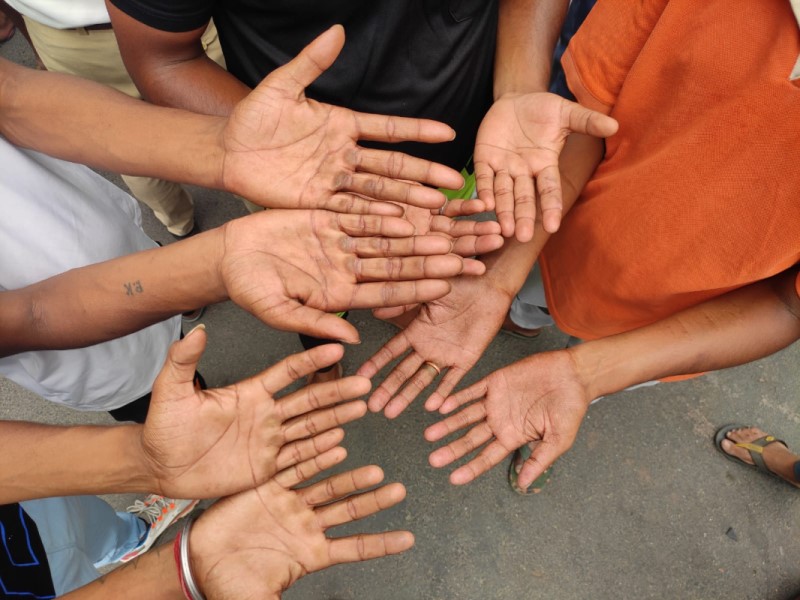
column 699, row 192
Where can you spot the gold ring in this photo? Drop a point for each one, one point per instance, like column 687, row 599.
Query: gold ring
column 428, row 363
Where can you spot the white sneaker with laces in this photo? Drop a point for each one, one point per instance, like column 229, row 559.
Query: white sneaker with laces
column 159, row 513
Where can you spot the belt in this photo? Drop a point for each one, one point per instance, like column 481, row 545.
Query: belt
column 97, row 27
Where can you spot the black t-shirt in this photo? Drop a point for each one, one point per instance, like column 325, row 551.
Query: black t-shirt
column 414, row 58
column 24, row 571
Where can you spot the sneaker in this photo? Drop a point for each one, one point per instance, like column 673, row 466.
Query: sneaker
column 159, row 513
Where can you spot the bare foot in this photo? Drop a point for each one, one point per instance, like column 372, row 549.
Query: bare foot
column 778, row 458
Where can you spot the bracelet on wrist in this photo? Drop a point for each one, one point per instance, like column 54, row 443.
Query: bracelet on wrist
column 181, row 551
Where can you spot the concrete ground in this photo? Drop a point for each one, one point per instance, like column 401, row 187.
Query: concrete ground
column 641, row 507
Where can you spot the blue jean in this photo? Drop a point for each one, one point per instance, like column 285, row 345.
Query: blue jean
column 81, row 534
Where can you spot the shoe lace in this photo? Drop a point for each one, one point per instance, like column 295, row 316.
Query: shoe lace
column 152, row 508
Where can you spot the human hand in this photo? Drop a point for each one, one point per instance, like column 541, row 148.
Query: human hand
column 452, row 333
column 519, row 140
column 211, row 443
column 283, row 150
column 469, row 238
column 258, row 543
column 539, row 400
column 291, row 269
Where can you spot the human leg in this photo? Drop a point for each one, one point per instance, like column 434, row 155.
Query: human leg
column 81, row 534
column 93, row 54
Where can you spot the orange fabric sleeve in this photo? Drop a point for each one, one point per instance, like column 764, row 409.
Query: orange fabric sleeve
column 797, row 284
column 601, row 53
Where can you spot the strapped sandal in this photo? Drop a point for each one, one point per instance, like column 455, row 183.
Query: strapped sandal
column 517, row 459
column 754, row 448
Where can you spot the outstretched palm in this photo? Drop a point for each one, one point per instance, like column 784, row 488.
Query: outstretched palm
column 538, row 400
column 283, row 150
column 519, row 141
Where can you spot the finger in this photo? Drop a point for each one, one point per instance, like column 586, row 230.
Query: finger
column 322, row 420
column 408, row 268
column 473, row 392
column 360, row 506
column 352, row 204
column 374, row 225
column 488, row 458
column 504, row 196
column 384, row 314
column 484, row 184
column 525, row 205
column 464, row 208
column 548, row 184
column 403, row 166
column 467, row 443
column 356, row 548
column 394, row 348
column 423, row 377
column 179, row 368
column 475, row 245
column 462, row 227
column 473, row 266
column 542, row 458
column 389, row 386
column 322, row 395
column 302, row 450
column 313, row 61
column 295, row 367
column 320, row 324
column 372, row 295
column 301, row 472
column 383, row 128
column 465, row 418
column 342, row 485
column 384, row 188
column 446, row 386
column 418, row 245
column 580, row 119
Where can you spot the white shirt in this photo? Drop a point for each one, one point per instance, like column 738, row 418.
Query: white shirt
column 56, row 216
column 63, row 14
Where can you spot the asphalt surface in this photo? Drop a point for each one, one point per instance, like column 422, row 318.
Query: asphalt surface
column 642, row 506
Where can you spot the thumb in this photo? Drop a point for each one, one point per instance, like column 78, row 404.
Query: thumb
column 313, row 322
column 313, row 60
column 580, row 119
column 181, row 363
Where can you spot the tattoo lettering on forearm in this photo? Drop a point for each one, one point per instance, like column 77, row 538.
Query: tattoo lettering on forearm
column 133, row 288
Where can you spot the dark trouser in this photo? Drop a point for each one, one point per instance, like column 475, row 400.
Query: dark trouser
column 312, row 342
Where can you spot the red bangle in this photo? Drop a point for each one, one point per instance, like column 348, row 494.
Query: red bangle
column 176, row 551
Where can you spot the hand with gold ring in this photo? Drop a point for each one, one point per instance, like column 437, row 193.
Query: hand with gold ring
column 447, row 336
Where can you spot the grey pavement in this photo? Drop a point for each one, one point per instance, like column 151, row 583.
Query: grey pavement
column 642, row 506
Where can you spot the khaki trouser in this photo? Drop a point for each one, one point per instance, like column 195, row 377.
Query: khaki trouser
column 93, row 54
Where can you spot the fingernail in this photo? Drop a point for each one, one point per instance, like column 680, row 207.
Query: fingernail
column 195, row 328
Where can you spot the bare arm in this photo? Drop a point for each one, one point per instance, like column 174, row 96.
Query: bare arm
column 49, row 111
column 527, row 35
column 521, row 137
column 171, row 69
column 736, row 328
column 544, row 397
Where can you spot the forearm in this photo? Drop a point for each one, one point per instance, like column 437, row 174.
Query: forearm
column 49, row 111
column 153, row 575
column 733, row 329
column 107, row 300
column 526, row 37
column 172, row 69
column 41, row 461
column 508, row 267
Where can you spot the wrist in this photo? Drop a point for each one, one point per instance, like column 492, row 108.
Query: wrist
column 599, row 371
